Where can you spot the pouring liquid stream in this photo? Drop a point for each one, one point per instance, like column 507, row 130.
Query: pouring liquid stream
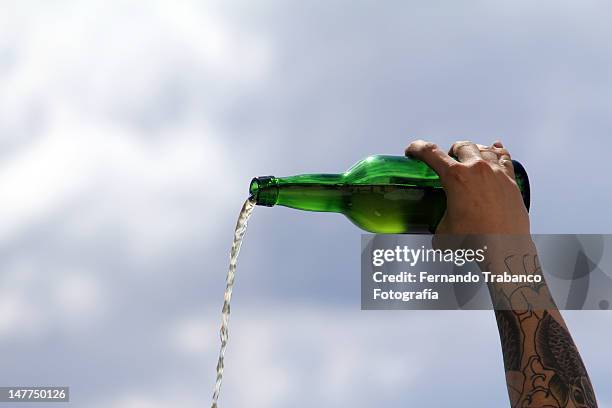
column 241, row 226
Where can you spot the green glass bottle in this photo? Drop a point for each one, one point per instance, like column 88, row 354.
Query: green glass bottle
column 381, row 194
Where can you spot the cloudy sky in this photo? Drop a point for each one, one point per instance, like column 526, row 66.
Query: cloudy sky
column 129, row 132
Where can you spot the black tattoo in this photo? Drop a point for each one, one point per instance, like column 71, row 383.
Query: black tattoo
column 511, row 339
column 559, row 354
column 543, row 366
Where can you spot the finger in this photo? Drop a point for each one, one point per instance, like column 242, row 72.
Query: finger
column 488, row 154
column 430, row 154
column 465, row 151
column 504, row 158
column 499, row 149
column 500, row 152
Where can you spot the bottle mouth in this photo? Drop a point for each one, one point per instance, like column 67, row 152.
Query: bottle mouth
column 264, row 190
column 254, row 189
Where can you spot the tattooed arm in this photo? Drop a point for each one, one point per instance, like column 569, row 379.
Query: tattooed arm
column 542, row 364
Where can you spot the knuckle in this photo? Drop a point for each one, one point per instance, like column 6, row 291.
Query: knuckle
column 480, row 165
column 429, row 146
column 458, row 145
column 420, row 146
column 462, row 142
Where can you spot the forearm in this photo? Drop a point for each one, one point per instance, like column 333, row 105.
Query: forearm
column 542, row 364
column 543, row 367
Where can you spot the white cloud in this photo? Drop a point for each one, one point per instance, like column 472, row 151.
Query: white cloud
column 80, row 83
column 90, row 77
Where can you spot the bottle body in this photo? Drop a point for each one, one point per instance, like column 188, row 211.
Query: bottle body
column 381, row 194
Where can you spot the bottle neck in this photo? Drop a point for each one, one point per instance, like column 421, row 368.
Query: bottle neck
column 309, row 192
column 264, row 190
